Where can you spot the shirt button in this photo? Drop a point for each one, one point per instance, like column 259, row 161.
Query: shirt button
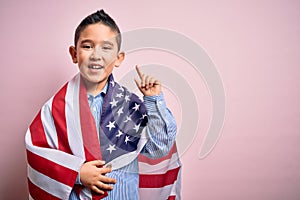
column 94, row 109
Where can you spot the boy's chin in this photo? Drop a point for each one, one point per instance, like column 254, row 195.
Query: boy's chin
column 93, row 80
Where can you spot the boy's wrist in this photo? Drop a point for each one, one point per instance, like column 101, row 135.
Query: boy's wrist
column 154, row 98
column 155, row 103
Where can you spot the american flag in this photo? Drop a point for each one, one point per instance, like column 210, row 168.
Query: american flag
column 63, row 136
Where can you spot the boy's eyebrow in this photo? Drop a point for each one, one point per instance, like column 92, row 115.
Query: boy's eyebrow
column 91, row 41
column 108, row 42
column 86, row 41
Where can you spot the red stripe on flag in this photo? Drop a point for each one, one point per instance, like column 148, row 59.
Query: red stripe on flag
column 158, row 160
column 171, row 197
column 59, row 117
column 38, row 193
column 88, row 127
column 158, row 180
column 37, row 133
column 59, row 173
column 99, row 196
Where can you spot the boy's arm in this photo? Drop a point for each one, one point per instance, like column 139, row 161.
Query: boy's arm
column 161, row 125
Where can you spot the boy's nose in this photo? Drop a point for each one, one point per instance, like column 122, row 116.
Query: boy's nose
column 96, row 55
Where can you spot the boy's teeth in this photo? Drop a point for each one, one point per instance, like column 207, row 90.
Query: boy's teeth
column 95, row 67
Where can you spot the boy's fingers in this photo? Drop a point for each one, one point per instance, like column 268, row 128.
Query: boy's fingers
column 147, row 80
column 138, row 83
column 103, row 186
column 139, row 72
column 97, row 162
column 97, row 190
column 156, row 82
column 107, row 180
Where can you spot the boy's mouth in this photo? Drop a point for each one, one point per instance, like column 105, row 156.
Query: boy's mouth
column 95, row 66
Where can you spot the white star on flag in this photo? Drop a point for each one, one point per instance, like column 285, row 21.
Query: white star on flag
column 121, row 88
column 113, row 103
column 136, row 107
column 112, row 83
column 136, row 127
column 127, row 119
column 120, row 95
column 127, row 98
column 119, row 134
column 144, row 115
column 127, row 139
column 120, row 111
column 111, row 148
column 111, row 125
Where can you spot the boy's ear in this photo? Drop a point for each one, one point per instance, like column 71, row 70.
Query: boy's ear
column 120, row 58
column 73, row 53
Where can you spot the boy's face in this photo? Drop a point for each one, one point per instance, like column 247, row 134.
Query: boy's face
column 96, row 54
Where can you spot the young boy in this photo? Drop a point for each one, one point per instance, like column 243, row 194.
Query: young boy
column 85, row 141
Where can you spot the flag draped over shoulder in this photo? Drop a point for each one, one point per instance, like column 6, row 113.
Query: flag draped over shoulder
column 63, row 136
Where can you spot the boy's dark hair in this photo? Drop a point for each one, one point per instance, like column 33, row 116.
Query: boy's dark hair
column 98, row 17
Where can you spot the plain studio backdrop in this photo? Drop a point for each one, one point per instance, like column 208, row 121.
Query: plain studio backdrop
column 254, row 46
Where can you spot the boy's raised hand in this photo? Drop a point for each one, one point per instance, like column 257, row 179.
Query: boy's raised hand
column 92, row 176
column 148, row 85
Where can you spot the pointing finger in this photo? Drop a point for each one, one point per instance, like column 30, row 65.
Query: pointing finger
column 139, row 72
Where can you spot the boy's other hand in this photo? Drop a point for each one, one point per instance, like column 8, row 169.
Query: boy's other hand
column 92, row 176
column 148, row 85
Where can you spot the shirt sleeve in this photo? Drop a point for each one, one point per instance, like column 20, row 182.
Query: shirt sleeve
column 161, row 127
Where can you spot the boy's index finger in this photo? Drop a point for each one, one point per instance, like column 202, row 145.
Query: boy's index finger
column 139, row 71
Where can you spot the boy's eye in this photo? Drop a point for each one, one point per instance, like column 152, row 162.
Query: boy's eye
column 106, row 47
column 87, row 46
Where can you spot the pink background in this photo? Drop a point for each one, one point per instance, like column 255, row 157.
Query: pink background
column 255, row 46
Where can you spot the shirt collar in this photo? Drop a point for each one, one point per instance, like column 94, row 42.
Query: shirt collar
column 103, row 92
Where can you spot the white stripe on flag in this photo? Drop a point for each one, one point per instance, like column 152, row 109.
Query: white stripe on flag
column 52, row 187
column 72, row 118
column 56, row 156
column 158, row 193
column 48, row 124
column 161, row 167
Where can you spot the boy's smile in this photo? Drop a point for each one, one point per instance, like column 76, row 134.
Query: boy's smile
column 96, row 53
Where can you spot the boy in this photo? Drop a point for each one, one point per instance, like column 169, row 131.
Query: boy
column 85, row 141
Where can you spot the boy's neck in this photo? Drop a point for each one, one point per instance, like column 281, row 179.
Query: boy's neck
column 94, row 88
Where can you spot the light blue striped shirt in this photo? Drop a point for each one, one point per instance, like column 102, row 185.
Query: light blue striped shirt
column 161, row 129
